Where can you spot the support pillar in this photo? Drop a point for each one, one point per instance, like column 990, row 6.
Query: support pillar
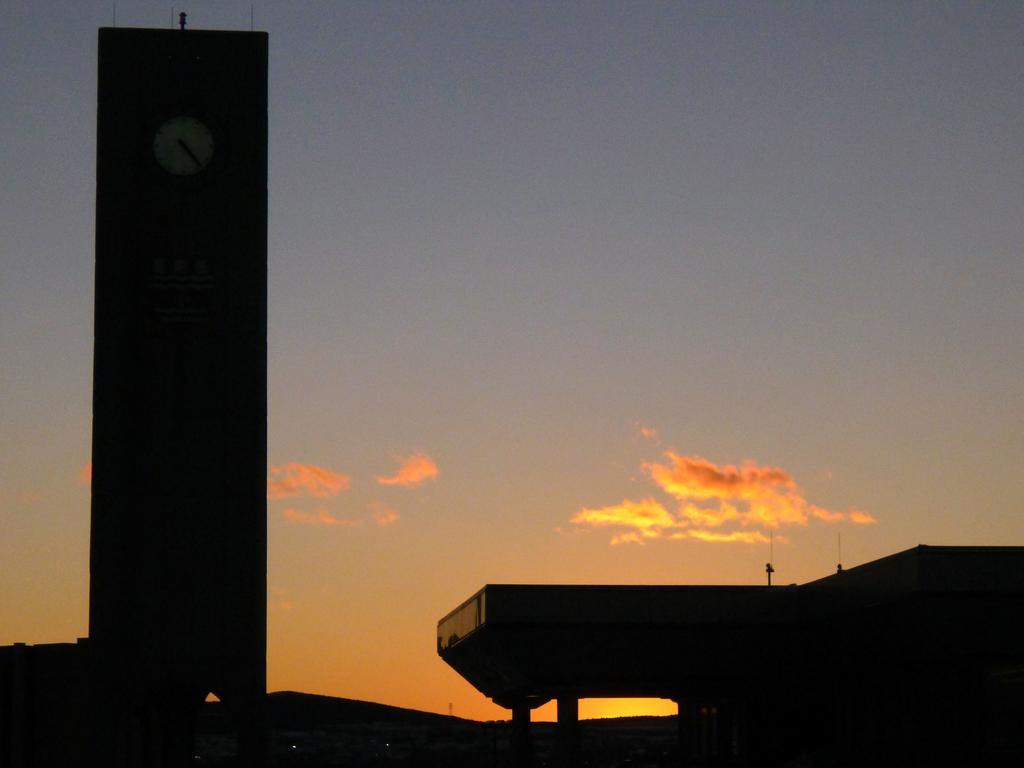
column 686, row 727
column 568, row 732
column 522, row 746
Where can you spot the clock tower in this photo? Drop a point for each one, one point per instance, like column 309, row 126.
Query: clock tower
column 178, row 546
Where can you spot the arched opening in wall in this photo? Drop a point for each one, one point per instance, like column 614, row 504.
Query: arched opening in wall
column 216, row 734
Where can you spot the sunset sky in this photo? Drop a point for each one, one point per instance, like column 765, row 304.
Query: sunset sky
column 559, row 293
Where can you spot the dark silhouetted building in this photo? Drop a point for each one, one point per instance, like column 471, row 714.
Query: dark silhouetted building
column 177, row 603
column 916, row 659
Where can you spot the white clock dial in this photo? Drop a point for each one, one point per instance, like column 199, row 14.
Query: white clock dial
column 183, row 146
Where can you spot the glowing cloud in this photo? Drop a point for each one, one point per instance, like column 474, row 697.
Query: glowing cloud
column 627, row 538
column 294, row 479
column 769, row 495
column 711, row 517
column 414, row 470
column 85, row 474
column 744, row 537
column 828, row 515
column 862, row 518
column 647, row 433
column 697, row 478
column 320, row 517
column 383, row 515
column 714, row 503
column 645, row 515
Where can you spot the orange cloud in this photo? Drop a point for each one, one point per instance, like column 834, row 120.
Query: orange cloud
column 862, row 518
column 744, row 537
column 85, row 474
column 414, row 470
column 383, row 515
column 768, row 495
column 697, row 478
column 826, row 514
column 645, row 515
column 714, row 504
column 650, row 520
column 294, row 479
column 647, row 433
column 710, row 517
column 320, row 517
column 627, row 538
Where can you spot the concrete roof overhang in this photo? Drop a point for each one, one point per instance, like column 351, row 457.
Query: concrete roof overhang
column 546, row 641
column 537, row 642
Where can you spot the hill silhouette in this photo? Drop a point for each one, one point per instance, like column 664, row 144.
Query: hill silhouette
column 312, row 730
column 291, row 709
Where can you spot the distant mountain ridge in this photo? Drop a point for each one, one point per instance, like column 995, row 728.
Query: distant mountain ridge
column 291, row 709
column 315, row 731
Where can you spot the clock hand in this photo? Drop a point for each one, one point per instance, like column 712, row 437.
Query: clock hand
column 189, row 152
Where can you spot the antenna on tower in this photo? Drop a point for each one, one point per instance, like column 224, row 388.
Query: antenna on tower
column 839, row 550
column 768, row 568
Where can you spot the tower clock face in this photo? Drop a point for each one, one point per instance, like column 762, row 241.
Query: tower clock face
column 183, row 146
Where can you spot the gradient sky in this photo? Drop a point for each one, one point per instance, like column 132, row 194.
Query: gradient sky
column 548, row 276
